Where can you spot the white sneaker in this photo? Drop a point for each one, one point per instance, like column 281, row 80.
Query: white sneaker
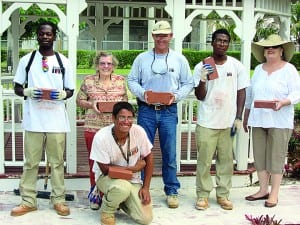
column 94, row 206
column 172, row 201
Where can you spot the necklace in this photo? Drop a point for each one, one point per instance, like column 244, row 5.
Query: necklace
column 126, row 157
column 45, row 66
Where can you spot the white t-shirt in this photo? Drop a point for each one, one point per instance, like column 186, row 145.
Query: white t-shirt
column 218, row 109
column 281, row 84
column 105, row 150
column 45, row 115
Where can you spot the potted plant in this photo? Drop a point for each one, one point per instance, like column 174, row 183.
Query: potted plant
column 263, row 220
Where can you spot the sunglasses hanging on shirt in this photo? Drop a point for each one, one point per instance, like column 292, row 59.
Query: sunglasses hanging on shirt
column 164, row 69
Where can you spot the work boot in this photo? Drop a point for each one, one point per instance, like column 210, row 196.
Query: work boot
column 225, row 203
column 62, row 209
column 21, row 210
column 108, row 218
column 202, row 203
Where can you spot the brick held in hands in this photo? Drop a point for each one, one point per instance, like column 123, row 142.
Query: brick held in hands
column 159, row 97
column 46, row 93
column 118, row 172
column 268, row 104
column 210, row 60
column 105, row 106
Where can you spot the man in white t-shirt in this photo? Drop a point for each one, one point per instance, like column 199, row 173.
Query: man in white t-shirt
column 45, row 120
column 221, row 103
column 123, row 146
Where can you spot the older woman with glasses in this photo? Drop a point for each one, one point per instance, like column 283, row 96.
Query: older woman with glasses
column 269, row 111
column 96, row 94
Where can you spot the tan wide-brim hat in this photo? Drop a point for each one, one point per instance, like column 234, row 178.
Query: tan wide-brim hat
column 162, row 27
column 272, row 40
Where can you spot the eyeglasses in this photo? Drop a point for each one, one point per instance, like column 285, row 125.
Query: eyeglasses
column 275, row 47
column 124, row 118
column 165, row 70
column 45, row 66
column 105, row 64
column 220, row 42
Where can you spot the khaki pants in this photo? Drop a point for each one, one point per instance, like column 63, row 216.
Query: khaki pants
column 34, row 144
column 270, row 147
column 122, row 194
column 208, row 142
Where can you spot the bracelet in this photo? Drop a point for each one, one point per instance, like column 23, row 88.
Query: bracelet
column 239, row 117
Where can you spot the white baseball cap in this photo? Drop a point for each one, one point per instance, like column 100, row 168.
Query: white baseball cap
column 162, row 27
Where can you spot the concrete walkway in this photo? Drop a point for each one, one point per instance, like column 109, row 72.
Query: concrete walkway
column 287, row 209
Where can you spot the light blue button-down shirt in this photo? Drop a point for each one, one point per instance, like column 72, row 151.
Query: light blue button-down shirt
column 168, row 72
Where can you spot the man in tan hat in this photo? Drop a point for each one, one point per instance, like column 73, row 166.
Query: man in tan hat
column 160, row 78
column 269, row 111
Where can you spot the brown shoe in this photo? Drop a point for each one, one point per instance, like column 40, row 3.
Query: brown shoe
column 225, row 203
column 62, row 209
column 270, row 204
column 21, row 210
column 107, row 219
column 252, row 198
column 202, row 203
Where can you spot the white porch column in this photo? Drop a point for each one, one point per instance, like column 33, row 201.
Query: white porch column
column 248, row 31
column 196, row 35
column 285, row 30
column 1, row 116
column 72, row 27
column 150, row 27
column 126, row 29
column 15, row 40
column 203, row 34
column 176, row 9
column 2, row 168
column 99, row 31
column 178, row 23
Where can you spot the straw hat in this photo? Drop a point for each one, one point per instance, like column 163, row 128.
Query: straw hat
column 162, row 27
column 272, row 40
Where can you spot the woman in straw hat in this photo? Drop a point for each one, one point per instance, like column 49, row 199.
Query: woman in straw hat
column 269, row 110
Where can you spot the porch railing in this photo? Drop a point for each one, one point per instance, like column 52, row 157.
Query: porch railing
column 10, row 120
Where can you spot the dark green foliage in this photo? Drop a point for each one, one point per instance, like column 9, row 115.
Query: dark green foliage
column 126, row 57
column 194, row 57
column 293, row 161
column 296, row 60
column 85, row 58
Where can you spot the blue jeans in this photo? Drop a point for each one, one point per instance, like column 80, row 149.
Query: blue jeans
column 165, row 121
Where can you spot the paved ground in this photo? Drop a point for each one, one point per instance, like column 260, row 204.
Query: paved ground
column 287, row 209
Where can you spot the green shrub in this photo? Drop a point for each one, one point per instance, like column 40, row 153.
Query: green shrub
column 85, row 58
